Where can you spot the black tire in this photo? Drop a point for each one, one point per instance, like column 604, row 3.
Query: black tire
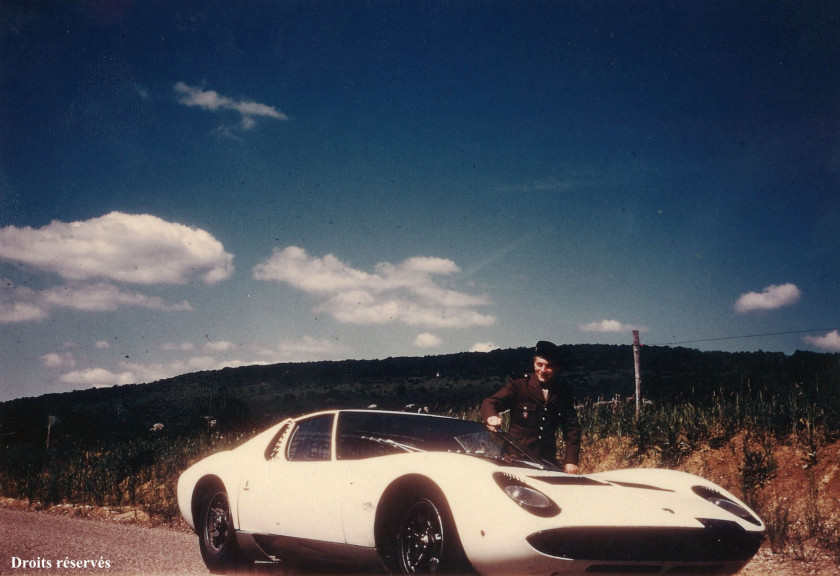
column 216, row 535
column 421, row 536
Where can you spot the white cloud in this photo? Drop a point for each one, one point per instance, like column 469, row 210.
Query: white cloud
column 177, row 346
column 60, row 361
column 116, row 248
column 13, row 312
column 610, row 327
column 771, row 298
column 97, row 377
column 130, row 248
column 157, row 371
column 213, row 101
column 22, row 304
column 220, row 346
column 102, row 344
column 483, row 347
column 134, row 372
column 427, row 340
column 103, row 297
column 308, row 349
column 300, row 350
column 219, row 356
column 829, row 342
column 405, row 293
column 19, row 304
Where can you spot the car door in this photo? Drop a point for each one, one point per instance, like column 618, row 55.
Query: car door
column 299, row 491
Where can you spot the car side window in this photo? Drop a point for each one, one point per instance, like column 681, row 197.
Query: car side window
column 311, row 439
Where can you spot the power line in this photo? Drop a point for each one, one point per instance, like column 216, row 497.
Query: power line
column 745, row 336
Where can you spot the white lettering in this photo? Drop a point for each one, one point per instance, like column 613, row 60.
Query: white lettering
column 37, row 563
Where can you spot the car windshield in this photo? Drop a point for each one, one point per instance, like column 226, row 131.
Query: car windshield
column 369, row 434
column 498, row 446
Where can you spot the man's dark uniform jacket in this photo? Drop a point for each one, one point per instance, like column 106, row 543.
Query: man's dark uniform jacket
column 534, row 421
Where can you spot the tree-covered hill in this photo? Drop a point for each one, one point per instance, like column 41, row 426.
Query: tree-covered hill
column 251, row 397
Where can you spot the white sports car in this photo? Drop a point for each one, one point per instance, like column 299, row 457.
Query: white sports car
column 413, row 493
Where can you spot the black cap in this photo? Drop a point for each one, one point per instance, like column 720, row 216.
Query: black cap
column 547, row 350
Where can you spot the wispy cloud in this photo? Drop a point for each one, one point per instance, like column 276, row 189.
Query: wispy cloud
column 501, row 253
column 543, row 185
column 403, row 293
column 610, row 327
column 22, row 304
column 829, row 342
column 102, row 297
column 771, row 298
column 214, row 102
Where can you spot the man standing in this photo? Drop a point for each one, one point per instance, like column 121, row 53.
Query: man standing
column 539, row 404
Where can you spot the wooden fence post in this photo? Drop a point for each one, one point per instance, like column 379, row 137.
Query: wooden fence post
column 638, row 371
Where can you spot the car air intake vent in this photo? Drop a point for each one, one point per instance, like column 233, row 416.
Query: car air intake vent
column 719, row 541
column 624, row 569
column 641, row 486
column 569, row 480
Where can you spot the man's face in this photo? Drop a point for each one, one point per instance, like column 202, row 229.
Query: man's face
column 544, row 369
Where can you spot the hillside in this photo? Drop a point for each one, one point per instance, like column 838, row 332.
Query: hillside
column 247, row 398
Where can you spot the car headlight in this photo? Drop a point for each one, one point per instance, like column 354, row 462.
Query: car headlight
column 725, row 503
column 526, row 497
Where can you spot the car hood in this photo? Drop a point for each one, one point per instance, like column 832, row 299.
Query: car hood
column 658, row 498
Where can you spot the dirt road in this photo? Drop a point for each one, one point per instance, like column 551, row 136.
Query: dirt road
column 55, row 544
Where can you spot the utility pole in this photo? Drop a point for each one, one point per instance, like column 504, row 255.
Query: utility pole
column 638, row 371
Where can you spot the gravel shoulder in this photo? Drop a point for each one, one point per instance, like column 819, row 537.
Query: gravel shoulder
column 48, row 543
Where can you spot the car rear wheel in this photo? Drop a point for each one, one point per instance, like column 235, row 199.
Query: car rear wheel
column 216, row 535
column 424, row 540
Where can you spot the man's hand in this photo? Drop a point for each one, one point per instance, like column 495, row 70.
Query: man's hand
column 569, row 468
column 493, row 423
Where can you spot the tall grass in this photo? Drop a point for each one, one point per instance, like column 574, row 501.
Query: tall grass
column 140, row 474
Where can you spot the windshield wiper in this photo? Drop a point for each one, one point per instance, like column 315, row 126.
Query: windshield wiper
column 392, row 443
column 530, row 463
column 522, row 457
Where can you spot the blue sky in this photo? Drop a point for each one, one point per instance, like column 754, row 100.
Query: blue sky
column 186, row 186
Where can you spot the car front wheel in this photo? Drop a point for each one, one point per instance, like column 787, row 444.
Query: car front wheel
column 216, row 535
column 424, row 537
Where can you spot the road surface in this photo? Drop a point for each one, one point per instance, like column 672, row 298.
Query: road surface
column 55, row 544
